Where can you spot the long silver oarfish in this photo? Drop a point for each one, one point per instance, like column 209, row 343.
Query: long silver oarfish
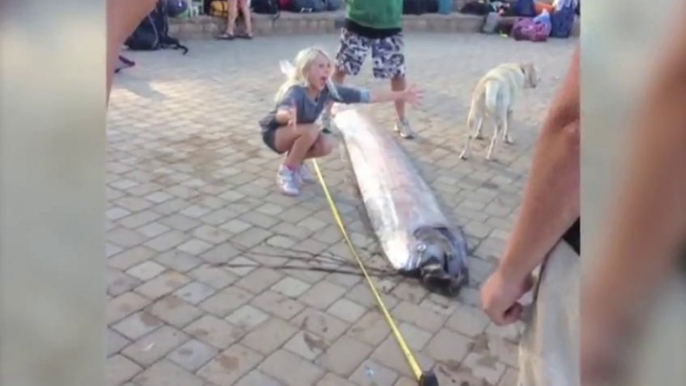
column 415, row 235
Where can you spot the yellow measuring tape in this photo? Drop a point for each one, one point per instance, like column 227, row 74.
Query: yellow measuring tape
column 423, row 378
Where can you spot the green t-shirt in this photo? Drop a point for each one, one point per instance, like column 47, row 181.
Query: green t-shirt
column 377, row 14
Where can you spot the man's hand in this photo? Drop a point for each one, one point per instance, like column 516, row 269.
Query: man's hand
column 500, row 295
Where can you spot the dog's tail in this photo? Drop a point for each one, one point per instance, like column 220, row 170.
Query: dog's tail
column 491, row 96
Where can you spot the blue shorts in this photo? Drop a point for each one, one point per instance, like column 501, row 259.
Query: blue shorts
column 269, row 139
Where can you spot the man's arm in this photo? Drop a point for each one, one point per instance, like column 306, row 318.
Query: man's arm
column 551, row 200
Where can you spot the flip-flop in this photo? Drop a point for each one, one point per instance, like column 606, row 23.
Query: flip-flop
column 226, row 36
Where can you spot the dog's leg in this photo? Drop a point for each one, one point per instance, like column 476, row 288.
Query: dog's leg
column 506, row 128
column 475, row 120
column 478, row 128
column 494, row 139
column 467, row 145
column 471, row 119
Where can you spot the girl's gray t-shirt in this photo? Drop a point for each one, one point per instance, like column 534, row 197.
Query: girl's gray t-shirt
column 308, row 109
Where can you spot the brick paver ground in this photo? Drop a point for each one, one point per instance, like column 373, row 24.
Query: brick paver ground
column 208, row 280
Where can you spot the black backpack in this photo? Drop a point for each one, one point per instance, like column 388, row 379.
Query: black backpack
column 153, row 32
column 419, row 7
column 265, row 7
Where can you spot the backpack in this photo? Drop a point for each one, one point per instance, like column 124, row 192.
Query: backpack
column 219, row 8
column 414, row 7
column 562, row 22
column 333, row 5
column 152, row 33
column 176, row 8
column 432, row 6
column 524, row 8
column 265, row 7
column 307, row 6
column 476, row 8
column 530, row 30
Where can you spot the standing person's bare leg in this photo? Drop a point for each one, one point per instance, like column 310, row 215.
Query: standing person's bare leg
column 388, row 56
column 232, row 14
column 399, row 83
column 247, row 17
column 338, row 76
column 123, row 16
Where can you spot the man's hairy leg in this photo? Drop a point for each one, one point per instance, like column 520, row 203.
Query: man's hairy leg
column 123, row 16
column 647, row 229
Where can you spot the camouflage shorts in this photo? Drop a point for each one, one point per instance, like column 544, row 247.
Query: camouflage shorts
column 387, row 54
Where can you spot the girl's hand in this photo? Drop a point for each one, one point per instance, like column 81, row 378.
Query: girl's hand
column 293, row 115
column 292, row 119
column 412, row 95
column 287, row 116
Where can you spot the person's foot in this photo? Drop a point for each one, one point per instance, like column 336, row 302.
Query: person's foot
column 403, row 128
column 226, row 36
column 287, row 180
column 305, row 175
column 245, row 36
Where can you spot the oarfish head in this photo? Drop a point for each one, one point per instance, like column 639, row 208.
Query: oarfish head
column 443, row 260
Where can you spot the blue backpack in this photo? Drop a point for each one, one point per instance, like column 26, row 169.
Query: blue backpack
column 334, row 5
column 176, row 8
column 562, row 22
column 523, row 8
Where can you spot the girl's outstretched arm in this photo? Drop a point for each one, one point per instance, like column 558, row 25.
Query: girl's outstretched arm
column 350, row 95
column 410, row 95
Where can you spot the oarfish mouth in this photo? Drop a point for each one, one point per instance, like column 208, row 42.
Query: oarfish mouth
column 436, row 279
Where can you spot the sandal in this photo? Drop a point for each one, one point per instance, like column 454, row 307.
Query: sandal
column 226, row 36
column 245, row 36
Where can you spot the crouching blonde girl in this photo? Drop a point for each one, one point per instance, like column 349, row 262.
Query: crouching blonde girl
column 290, row 127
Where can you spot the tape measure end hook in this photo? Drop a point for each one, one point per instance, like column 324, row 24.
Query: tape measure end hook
column 428, row 378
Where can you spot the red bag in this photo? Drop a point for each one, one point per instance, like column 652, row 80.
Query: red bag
column 285, row 5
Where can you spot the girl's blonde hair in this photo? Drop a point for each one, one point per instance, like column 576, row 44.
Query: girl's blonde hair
column 297, row 76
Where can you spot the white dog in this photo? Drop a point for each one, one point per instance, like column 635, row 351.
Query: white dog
column 494, row 97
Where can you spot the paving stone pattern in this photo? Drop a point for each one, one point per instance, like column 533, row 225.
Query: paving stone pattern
column 207, row 263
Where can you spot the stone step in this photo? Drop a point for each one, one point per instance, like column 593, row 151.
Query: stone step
column 288, row 23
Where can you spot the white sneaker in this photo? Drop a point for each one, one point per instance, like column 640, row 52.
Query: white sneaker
column 404, row 129
column 287, row 181
column 305, row 175
column 327, row 123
